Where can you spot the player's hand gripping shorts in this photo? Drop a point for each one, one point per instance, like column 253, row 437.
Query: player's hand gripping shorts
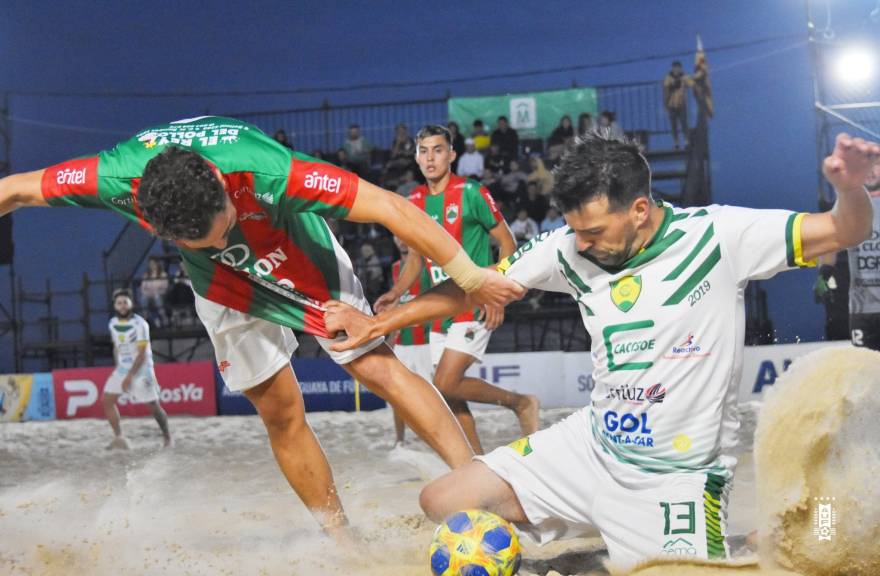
column 249, row 349
column 567, row 486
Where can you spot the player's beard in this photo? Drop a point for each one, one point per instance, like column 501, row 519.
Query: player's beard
column 126, row 316
column 616, row 258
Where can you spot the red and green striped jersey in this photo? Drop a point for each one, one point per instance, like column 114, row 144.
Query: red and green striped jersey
column 281, row 247
column 413, row 335
column 467, row 211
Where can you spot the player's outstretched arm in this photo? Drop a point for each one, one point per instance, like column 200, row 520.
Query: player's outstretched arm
column 21, row 190
column 850, row 220
column 445, row 299
column 425, row 236
column 412, row 268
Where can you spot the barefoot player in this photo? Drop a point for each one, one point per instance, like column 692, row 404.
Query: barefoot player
column 660, row 290
column 247, row 216
column 468, row 212
column 134, row 376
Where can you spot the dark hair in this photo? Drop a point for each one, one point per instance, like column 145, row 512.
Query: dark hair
column 676, row 63
column 122, row 292
column 179, row 194
column 434, row 130
column 594, row 167
column 500, row 118
column 478, row 122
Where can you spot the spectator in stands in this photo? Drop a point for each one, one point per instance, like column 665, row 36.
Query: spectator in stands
column 675, row 101
column 585, row 123
column 497, row 161
column 523, row 228
column 608, row 126
column 514, row 182
column 341, row 160
column 368, row 268
column 492, row 181
column 358, row 150
column 154, row 286
column 540, row 175
column 280, row 136
column 534, row 202
column 458, row 144
column 180, row 299
column 403, row 152
column 407, row 184
column 506, row 138
column 552, row 221
column 482, row 141
column 560, row 138
column 470, row 164
column 318, row 154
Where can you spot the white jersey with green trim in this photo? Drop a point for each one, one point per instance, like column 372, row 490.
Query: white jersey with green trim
column 668, row 328
column 126, row 333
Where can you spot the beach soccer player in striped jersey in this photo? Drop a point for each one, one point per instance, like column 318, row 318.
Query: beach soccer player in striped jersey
column 411, row 343
column 660, row 290
column 468, row 212
column 247, row 215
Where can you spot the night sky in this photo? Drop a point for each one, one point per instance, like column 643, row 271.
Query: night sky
column 762, row 140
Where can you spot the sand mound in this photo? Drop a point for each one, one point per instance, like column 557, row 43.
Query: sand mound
column 703, row 568
column 817, row 462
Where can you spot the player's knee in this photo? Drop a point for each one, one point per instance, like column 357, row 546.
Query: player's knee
column 432, row 502
column 281, row 417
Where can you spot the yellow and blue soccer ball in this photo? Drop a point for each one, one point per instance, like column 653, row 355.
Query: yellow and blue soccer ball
column 475, row 543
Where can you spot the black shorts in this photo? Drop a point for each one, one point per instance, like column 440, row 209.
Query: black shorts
column 865, row 330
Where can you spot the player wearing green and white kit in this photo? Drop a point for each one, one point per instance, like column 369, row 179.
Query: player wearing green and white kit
column 468, row 212
column 247, row 216
column 134, row 377
column 660, row 291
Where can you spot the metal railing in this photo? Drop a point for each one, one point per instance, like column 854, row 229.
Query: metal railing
column 638, row 106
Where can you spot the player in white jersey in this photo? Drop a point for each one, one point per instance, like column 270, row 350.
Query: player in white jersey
column 660, row 290
column 134, row 377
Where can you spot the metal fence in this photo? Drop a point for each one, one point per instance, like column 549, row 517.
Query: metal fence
column 638, row 106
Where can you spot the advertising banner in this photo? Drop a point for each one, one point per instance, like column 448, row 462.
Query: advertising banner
column 561, row 379
column 26, row 397
column 324, row 384
column 532, row 115
column 184, row 389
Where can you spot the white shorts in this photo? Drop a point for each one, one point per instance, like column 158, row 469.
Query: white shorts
column 567, row 485
column 468, row 337
column 249, row 349
column 417, row 358
column 144, row 387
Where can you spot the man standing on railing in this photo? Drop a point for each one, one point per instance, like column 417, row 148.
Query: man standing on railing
column 134, row 376
column 247, row 216
column 675, row 86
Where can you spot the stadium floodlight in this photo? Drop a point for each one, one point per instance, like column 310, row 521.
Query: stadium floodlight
column 855, row 65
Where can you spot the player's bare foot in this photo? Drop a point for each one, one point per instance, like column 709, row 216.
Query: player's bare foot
column 527, row 413
column 168, row 443
column 119, row 443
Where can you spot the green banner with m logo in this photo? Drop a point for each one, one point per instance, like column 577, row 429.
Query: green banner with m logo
column 532, row 114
